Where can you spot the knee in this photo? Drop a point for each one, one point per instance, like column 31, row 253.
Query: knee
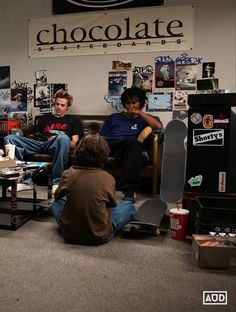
column 132, row 209
column 134, row 145
column 8, row 139
column 63, row 139
column 129, row 208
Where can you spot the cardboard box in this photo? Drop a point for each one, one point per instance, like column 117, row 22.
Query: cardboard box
column 214, row 252
column 6, row 162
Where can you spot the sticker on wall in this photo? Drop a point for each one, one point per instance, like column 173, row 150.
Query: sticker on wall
column 159, row 102
column 204, row 137
column 5, row 77
column 186, row 77
column 196, row 118
column 18, row 100
column 208, row 121
column 41, row 77
column 5, row 100
column 180, row 114
column 165, row 74
column 208, row 70
column 180, row 99
column 195, row 181
column 208, row 84
column 184, row 58
column 21, row 117
column 115, row 102
column 121, row 65
column 117, row 82
column 3, row 110
column 222, row 181
column 42, row 96
column 143, row 77
column 5, row 96
column 54, row 87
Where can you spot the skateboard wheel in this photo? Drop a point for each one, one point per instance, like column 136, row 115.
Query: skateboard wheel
column 156, row 232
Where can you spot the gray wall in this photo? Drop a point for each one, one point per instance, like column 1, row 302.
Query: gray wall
column 214, row 40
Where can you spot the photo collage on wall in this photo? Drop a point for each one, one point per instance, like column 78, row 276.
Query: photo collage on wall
column 13, row 98
column 17, row 98
column 167, row 83
column 44, row 92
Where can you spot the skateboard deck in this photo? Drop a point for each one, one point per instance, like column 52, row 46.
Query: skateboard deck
column 173, row 162
column 148, row 218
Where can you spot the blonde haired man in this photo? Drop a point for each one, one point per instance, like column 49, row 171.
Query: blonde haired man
column 60, row 133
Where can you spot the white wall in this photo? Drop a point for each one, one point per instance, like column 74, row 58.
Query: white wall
column 214, row 40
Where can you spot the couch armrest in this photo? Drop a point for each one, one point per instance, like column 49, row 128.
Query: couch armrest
column 28, row 130
column 155, row 153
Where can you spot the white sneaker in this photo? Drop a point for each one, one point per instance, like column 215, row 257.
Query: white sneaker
column 54, row 187
column 22, row 187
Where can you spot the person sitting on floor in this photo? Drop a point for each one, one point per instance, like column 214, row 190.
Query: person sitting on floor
column 121, row 131
column 61, row 131
column 85, row 201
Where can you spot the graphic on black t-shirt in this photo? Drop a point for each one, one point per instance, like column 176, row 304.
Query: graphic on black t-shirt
column 68, row 124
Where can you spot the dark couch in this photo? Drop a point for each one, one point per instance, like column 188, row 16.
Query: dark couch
column 92, row 124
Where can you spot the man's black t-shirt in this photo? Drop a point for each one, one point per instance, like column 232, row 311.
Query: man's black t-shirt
column 52, row 125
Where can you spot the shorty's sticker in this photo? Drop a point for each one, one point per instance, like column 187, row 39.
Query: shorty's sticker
column 204, row 137
column 222, row 181
column 195, row 181
column 208, row 121
column 196, row 118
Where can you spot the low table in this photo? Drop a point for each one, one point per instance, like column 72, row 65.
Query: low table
column 15, row 211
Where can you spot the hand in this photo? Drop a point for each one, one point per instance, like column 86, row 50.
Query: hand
column 132, row 111
column 51, row 137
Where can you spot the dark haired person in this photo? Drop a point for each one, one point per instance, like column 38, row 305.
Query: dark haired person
column 121, row 131
column 85, row 204
column 62, row 132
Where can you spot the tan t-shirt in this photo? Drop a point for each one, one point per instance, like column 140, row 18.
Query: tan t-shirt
column 90, row 195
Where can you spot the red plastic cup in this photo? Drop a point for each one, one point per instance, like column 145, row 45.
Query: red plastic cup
column 178, row 223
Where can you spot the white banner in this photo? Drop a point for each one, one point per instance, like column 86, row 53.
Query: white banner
column 126, row 31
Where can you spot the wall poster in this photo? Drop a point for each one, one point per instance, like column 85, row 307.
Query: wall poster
column 135, row 30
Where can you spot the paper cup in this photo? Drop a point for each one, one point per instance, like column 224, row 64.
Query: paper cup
column 178, row 223
column 10, row 150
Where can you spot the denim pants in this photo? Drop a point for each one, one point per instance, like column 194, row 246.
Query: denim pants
column 58, row 148
column 128, row 154
column 121, row 214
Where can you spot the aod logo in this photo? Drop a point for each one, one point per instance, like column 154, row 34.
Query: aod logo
column 216, row 297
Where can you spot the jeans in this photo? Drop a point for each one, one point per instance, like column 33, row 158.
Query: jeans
column 128, row 154
column 121, row 214
column 58, row 148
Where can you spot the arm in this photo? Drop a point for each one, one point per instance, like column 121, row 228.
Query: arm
column 77, row 132
column 151, row 121
column 74, row 140
column 39, row 125
column 106, row 128
column 111, row 193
